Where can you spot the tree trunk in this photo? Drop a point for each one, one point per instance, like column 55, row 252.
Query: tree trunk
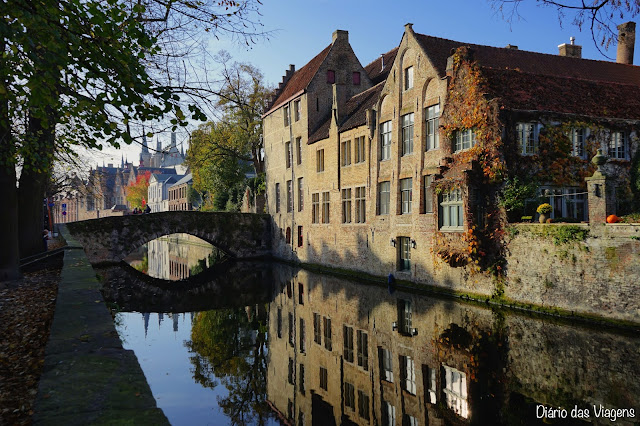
column 9, row 260
column 30, row 204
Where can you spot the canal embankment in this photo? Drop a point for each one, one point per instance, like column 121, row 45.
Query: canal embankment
column 88, row 377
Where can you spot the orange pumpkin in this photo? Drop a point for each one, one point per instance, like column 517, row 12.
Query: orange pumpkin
column 612, row 218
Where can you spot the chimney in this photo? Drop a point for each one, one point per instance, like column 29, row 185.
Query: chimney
column 382, row 61
column 340, row 35
column 626, row 42
column 571, row 50
column 511, row 46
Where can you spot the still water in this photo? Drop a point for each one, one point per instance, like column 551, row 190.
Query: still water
column 264, row 343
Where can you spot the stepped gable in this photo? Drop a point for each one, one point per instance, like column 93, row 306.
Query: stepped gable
column 502, row 58
column 299, row 80
column 375, row 69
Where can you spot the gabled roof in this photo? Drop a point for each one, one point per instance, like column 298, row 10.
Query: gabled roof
column 165, row 178
column 185, row 179
column 502, row 58
column 356, row 114
column 299, row 80
column 378, row 70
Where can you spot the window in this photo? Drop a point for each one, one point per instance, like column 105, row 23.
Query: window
column 455, row 391
column 317, row 332
column 428, row 194
column 384, row 197
column 315, row 208
column 360, row 205
column 301, row 381
column 464, row 139
column 405, row 314
column 331, row 76
column 363, row 405
column 431, row 385
column 385, row 140
column 296, row 110
column 287, row 152
column 356, row 78
column 300, row 194
column 290, row 409
column 347, row 333
column 386, row 367
column 279, row 322
column 277, row 198
column 320, row 160
column 451, row 213
column 325, row 207
column 285, row 111
column 302, row 336
column 299, row 236
column 388, row 414
column 527, row 137
column 618, row 146
column 346, row 205
column 407, row 133
column 291, row 373
column 408, row 420
column 408, row 78
column 301, row 417
column 359, row 142
column 300, row 294
column 432, row 115
column 324, row 378
column 404, row 255
column 349, row 396
column 405, row 195
column 345, row 153
column 291, row 330
column 299, row 150
column 327, row 333
column 363, row 349
column 578, row 137
column 409, row 371
column 289, row 196
column 568, row 202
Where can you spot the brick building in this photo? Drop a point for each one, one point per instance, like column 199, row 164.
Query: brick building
column 396, row 166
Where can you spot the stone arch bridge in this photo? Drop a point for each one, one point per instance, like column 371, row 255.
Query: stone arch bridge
column 108, row 240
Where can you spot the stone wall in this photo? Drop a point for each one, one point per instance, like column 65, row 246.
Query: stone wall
column 597, row 276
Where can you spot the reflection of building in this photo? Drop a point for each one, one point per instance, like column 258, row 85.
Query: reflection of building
column 356, row 355
column 177, row 256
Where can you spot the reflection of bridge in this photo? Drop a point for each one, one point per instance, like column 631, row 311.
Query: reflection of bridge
column 110, row 239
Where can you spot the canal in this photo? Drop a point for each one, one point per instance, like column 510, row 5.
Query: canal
column 225, row 342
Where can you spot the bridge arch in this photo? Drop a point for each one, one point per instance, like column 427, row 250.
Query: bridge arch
column 110, row 239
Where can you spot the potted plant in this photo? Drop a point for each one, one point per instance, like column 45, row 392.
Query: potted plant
column 544, row 210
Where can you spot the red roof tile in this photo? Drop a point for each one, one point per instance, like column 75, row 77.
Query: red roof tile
column 439, row 49
column 299, row 80
column 376, row 72
column 530, row 92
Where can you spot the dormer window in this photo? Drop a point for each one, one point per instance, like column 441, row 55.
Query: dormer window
column 527, row 137
column 356, row 78
column 331, row 76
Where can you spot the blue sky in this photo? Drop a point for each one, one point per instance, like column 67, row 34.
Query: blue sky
column 301, row 29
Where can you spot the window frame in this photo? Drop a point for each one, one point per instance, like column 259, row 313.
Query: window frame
column 384, row 198
column 300, row 194
column 578, row 138
column 289, row 196
column 347, row 337
column 404, row 254
column 432, row 133
column 386, row 129
column 356, row 78
column 409, row 374
column 361, row 205
column 315, row 208
column 386, row 364
column 287, row 116
column 407, row 131
column 346, row 205
column 464, row 139
column 326, row 206
column 362, row 347
column 406, row 195
column 359, row 150
column 296, row 110
column 277, row 197
column 345, row 153
column 408, row 77
column 617, row 143
column 320, row 160
column 446, row 205
column 427, row 181
column 299, row 150
column 532, row 131
column 331, row 76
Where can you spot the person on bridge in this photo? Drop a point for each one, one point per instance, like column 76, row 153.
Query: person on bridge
column 147, row 209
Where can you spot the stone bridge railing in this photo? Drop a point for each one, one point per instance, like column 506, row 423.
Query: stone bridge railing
column 110, row 239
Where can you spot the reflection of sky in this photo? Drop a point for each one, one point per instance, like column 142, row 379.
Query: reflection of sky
column 164, row 359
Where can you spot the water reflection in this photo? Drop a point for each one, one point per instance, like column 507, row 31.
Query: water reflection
column 315, row 349
column 174, row 257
